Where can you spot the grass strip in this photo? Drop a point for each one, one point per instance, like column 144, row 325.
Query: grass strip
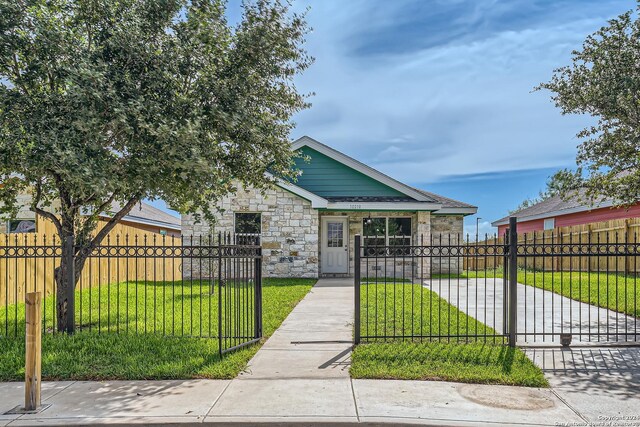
column 441, row 361
column 412, row 322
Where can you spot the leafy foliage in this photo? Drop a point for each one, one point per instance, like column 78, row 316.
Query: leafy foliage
column 118, row 101
column 604, row 82
column 121, row 101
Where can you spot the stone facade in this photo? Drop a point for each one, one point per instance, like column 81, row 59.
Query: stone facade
column 289, row 234
column 420, row 229
column 447, row 227
column 447, row 230
column 292, row 230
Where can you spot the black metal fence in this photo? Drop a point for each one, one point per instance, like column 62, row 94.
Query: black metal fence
column 515, row 289
column 418, row 292
column 207, row 287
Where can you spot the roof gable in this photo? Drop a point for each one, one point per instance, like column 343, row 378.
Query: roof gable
column 332, row 174
column 328, row 177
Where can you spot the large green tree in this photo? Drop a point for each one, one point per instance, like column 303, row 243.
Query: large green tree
column 105, row 101
column 603, row 81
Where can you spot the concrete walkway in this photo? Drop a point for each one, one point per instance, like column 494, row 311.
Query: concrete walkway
column 302, row 371
column 301, row 376
column 539, row 311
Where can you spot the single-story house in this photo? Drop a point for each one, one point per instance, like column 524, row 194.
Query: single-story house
column 556, row 212
column 307, row 228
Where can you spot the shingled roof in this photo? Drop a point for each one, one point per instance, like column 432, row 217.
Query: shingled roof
column 144, row 213
column 554, row 206
column 446, row 202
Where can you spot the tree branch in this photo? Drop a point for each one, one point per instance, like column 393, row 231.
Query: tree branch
column 112, row 223
column 106, row 204
column 18, row 75
column 51, row 217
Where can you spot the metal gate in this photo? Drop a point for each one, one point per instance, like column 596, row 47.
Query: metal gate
column 528, row 289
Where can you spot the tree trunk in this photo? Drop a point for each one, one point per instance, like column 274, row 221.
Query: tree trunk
column 72, row 263
column 65, row 286
column 67, row 276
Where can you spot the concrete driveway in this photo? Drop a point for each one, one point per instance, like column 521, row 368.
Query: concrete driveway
column 600, row 384
column 539, row 312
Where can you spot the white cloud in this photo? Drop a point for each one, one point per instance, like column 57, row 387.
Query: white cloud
column 459, row 108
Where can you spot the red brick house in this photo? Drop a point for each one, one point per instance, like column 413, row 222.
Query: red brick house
column 555, row 212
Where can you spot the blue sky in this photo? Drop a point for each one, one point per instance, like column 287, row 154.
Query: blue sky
column 438, row 93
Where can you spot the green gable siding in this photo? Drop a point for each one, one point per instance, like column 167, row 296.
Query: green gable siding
column 327, row 177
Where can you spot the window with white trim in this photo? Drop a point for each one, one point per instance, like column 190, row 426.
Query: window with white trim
column 380, row 232
column 335, row 234
column 549, row 223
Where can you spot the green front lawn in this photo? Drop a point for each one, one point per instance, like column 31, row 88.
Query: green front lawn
column 399, row 310
column 99, row 353
column 402, row 309
column 441, row 361
column 617, row 292
column 176, row 308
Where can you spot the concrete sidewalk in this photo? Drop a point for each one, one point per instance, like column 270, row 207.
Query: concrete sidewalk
column 301, row 376
column 595, row 382
column 313, row 401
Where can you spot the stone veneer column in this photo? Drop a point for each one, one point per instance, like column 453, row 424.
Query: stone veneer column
column 423, row 237
column 447, row 229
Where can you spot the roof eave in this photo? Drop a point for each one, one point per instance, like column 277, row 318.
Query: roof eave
column 465, row 211
column 317, row 202
column 505, row 221
column 384, row 206
column 144, row 221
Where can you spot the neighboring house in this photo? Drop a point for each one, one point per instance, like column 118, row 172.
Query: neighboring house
column 307, row 228
column 556, row 212
column 143, row 217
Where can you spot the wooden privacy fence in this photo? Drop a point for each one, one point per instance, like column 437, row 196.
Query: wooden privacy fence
column 617, row 232
column 24, row 273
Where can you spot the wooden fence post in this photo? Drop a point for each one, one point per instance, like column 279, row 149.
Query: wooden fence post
column 32, row 369
column 590, row 260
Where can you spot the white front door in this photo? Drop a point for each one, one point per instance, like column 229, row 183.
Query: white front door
column 335, row 244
